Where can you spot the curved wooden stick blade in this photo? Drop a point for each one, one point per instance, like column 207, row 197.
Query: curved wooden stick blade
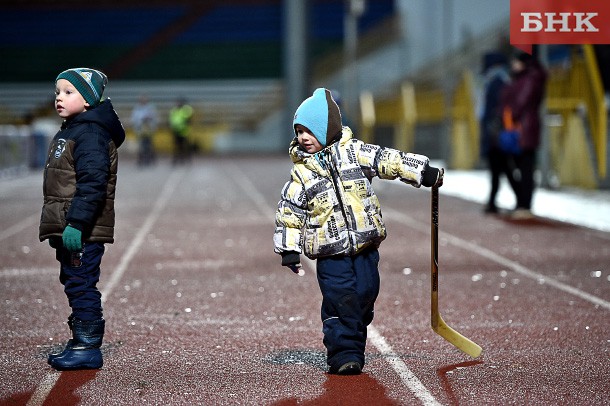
column 459, row 341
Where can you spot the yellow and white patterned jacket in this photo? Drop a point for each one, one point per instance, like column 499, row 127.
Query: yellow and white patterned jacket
column 328, row 206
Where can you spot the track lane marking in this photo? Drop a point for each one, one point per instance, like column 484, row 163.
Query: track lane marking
column 48, row 382
column 10, row 272
column 44, row 388
column 153, row 216
column 400, row 367
column 405, row 374
column 489, row 254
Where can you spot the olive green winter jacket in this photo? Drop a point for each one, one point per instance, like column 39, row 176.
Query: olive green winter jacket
column 328, row 206
column 80, row 176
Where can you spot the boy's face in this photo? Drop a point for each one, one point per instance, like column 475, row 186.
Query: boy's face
column 307, row 140
column 68, row 101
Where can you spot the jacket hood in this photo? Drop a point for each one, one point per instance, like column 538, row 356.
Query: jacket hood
column 104, row 116
column 321, row 115
column 492, row 59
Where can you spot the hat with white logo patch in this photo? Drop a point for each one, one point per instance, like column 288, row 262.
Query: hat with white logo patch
column 90, row 83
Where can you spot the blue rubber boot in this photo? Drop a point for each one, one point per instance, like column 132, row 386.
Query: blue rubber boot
column 84, row 350
column 68, row 346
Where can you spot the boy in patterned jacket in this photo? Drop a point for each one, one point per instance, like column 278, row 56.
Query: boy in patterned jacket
column 329, row 212
column 78, row 212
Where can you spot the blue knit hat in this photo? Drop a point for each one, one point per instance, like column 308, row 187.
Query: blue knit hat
column 321, row 115
column 90, row 83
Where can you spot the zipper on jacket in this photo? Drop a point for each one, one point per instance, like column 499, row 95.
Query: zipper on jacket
column 46, row 168
column 334, row 176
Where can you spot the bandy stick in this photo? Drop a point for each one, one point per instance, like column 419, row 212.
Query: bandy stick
column 438, row 324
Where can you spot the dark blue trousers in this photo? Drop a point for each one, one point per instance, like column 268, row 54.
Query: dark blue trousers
column 349, row 287
column 80, row 273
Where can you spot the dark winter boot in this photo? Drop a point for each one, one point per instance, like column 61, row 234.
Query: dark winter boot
column 68, row 344
column 84, row 350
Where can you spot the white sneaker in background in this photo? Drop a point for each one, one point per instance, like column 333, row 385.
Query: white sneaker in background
column 521, row 214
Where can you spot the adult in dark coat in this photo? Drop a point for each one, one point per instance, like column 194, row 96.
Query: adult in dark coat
column 524, row 97
column 495, row 79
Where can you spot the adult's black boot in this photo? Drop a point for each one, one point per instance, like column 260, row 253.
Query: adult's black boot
column 84, row 351
column 68, row 344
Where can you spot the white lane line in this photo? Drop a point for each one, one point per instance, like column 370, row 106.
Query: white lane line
column 153, row 216
column 486, row 253
column 406, row 375
column 27, row 271
column 48, row 382
column 29, row 221
column 252, row 192
column 44, row 388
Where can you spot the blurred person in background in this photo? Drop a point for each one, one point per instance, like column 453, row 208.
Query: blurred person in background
column 78, row 212
column 602, row 54
column 180, row 118
column 523, row 98
column 495, row 78
column 144, row 120
column 42, row 122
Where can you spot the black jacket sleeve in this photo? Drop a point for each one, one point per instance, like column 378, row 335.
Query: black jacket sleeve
column 92, row 167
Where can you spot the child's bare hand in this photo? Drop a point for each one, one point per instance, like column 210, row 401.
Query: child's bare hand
column 297, row 268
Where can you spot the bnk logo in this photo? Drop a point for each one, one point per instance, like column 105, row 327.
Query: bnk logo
column 559, row 22
column 566, row 22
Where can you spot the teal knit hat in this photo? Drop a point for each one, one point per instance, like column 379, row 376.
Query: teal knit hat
column 90, row 83
column 321, row 115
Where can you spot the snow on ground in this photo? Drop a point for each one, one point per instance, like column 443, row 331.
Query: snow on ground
column 586, row 208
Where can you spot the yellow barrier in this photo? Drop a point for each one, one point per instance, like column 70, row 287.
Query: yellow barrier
column 597, row 109
column 202, row 137
column 431, row 106
column 577, row 93
column 368, row 116
column 404, row 133
column 465, row 127
column 403, row 112
column 399, row 112
column 575, row 166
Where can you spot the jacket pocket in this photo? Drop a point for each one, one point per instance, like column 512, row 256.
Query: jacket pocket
column 311, row 242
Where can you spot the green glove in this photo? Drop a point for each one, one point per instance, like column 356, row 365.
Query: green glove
column 72, row 239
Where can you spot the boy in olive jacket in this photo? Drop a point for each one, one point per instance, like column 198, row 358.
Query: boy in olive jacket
column 329, row 212
column 78, row 212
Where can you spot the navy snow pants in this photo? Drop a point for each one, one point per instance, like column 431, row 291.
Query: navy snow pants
column 80, row 273
column 349, row 287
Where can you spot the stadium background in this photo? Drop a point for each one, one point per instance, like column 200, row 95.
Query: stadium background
column 407, row 73
column 198, row 308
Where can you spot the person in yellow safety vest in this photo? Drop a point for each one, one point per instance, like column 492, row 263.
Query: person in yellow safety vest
column 180, row 118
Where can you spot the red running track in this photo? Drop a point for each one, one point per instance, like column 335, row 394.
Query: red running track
column 199, row 310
